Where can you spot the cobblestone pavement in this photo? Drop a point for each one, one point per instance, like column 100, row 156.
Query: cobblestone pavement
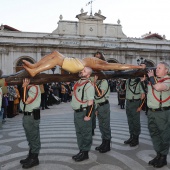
column 58, row 140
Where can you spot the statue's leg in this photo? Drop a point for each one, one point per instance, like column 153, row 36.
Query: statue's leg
column 30, row 71
column 56, row 56
column 44, row 66
column 28, row 64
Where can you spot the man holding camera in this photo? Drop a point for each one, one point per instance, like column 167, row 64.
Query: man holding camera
column 30, row 106
column 158, row 101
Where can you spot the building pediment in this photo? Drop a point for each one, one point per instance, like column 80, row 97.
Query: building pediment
column 95, row 17
column 89, row 26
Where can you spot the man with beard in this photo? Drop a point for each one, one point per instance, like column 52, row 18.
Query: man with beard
column 82, row 104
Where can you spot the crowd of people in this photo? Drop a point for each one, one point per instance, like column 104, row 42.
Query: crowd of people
column 51, row 93
column 55, row 93
column 89, row 99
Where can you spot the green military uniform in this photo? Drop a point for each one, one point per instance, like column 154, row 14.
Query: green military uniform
column 103, row 109
column 159, row 117
column 103, row 114
column 93, row 117
column 83, row 91
column 133, row 95
column 31, row 126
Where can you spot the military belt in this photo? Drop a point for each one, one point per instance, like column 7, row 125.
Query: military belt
column 80, row 110
column 28, row 113
column 133, row 100
column 103, row 103
column 160, row 109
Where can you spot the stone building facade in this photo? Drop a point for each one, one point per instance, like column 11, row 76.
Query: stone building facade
column 80, row 39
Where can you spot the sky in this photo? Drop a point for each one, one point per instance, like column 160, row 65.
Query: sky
column 137, row 17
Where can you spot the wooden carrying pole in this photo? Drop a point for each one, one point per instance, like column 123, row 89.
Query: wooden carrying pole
column 43, row 78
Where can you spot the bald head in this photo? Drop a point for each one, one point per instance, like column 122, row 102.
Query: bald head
column 86, row 72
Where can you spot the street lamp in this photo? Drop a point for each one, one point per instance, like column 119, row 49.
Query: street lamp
column 53, row 69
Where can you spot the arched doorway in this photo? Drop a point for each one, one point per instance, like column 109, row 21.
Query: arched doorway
column 19, row 63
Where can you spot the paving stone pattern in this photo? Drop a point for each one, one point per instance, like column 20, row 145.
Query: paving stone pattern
column 58, row 143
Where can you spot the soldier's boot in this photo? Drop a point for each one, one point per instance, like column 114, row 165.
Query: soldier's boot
column 135, row 141
column 106, row 147
column 102, row 144
column 82, row 156
column 33, row 161
column 23, row 161
column 129, row 140
column 161, row 162
column 154, row 160
column 77, row 155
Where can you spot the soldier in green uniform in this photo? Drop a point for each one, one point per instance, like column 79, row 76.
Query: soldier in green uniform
column 158, row 101
column 30, row 107
column 99, row 55
column 82, row 104
column 134, row 98
column 102, row 91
